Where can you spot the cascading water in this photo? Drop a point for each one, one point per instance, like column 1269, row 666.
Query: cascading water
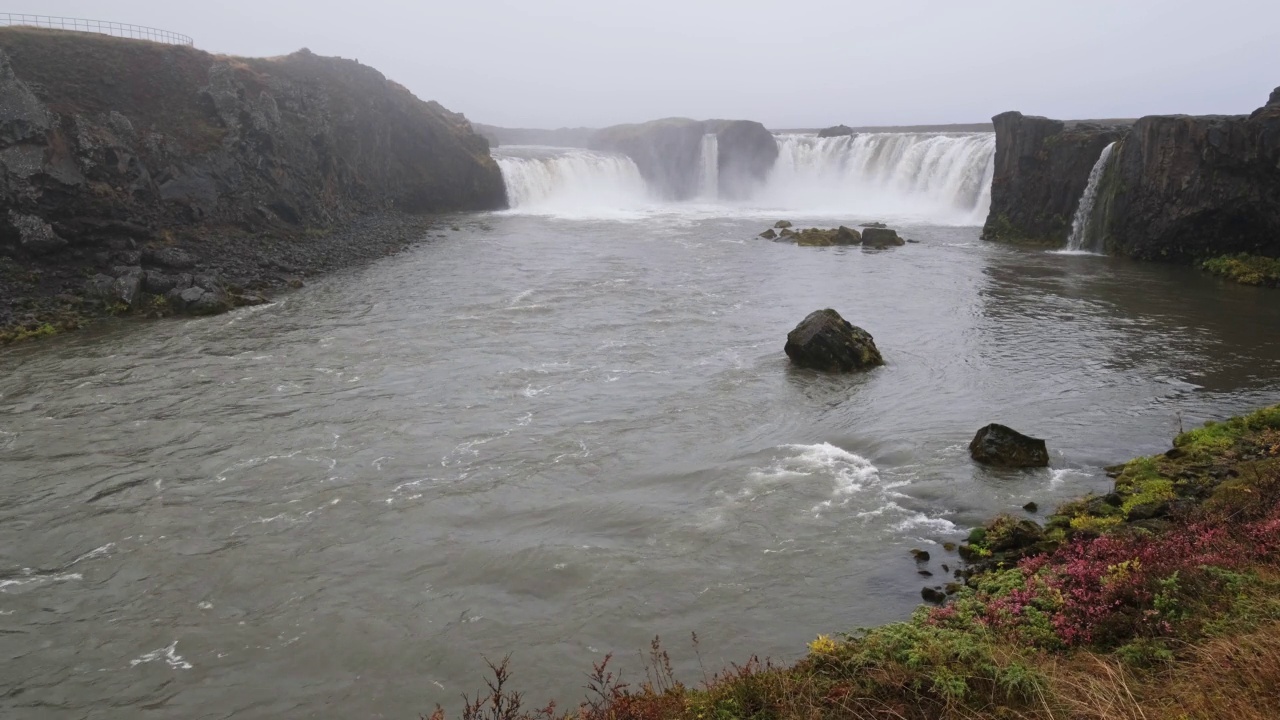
column 709, row 168
column 569, row 180
column 1081, row 239
column 934, row 176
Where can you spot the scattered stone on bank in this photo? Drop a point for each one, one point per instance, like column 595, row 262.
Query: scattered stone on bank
column 826, row 341
column 1003, row 446
column 769, row 234
column 1031, row 507
column 921, row 556
column 169, row 257
column 933, row 595
column 34, row 235
column 881, row 238
column 782, row 224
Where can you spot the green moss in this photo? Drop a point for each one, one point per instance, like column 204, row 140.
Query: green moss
column 1246, row 269
column 29, row 333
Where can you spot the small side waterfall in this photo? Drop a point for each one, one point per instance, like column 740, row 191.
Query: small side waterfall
column 1081, row 239
column 709, row 168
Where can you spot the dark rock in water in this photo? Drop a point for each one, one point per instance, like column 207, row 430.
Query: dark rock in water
column 913, row 242
column 816, row 237
column 169, row 257
column 769, row 234
column 826, row 341
column 34, row 235
column 920, row 555
column 946, row 568
column 876, row 225
column 197, row 300
column 881, row 238
column 787, row 232
column 835, row 131
column 949, row 546
column 1031, row 507
column 924, row 573
column 933, row 595
column 781, row 224
column 999, row 445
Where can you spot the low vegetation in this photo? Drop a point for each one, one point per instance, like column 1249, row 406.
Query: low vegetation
column 1158, row 600
column 1246, row 269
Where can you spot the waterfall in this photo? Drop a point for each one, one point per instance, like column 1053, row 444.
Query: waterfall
column 709, row 168
column 939, row 177
column 559, row 180
column 1081, row 224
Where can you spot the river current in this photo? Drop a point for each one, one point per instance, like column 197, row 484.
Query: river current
column 557, row 438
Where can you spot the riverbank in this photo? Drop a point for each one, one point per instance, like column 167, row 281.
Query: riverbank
column 39, row 298
column 1157, row 600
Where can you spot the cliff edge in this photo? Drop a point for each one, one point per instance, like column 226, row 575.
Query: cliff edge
column 110, row 146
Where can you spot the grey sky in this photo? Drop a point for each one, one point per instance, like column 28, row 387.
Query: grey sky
column 800, row 63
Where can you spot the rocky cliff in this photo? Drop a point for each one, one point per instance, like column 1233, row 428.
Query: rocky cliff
column 1177, row 188
column 1187, row 188
column 1041, row 169
column 114, row 146
column 668, row 153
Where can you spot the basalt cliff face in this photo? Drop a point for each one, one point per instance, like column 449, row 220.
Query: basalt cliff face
column 1041, row 169
column 1178, row 188
column 111, row 146
column 669, row 153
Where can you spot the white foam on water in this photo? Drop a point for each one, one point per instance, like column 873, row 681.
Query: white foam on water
column 34, row 579
column 168, row 654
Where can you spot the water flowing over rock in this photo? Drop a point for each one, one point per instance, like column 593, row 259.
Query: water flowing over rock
column 1082, row 233
column 541, row 179
column 1179, row 188
column 942, row 176
column 669, row 154
column 1003, row 446
column 826, row 341
column 1041, row 171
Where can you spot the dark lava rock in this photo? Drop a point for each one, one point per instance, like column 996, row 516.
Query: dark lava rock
column 881, row 237
column 782, row 224
column 826, row 341
column 787, row 232
column 34, row 235
column 169, row 257
column 126, row 289
column 875, row 225
column 816, row 237
column 924, row 573
column 197, row 300
column 920, row 555
column 933, row 595
column 1031, row 507
column 1015, row 536
column 835, row 131
column 769, row 234
column 999, row 445
column 159, row 283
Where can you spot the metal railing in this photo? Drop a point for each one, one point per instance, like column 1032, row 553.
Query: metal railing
column 102, row 27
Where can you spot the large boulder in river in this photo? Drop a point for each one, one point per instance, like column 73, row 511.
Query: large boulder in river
column 1003, row 446
column 826, row 341
column 816, row 237
column 881, row 238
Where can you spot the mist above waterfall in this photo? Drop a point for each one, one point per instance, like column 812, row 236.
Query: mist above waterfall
column 933, row 177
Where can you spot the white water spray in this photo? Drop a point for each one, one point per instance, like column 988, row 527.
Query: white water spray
column 1080, row 240
column 560, row 180
column 935, row 176
column 709, row 168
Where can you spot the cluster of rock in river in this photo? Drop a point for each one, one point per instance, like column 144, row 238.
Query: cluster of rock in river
column 872, row 235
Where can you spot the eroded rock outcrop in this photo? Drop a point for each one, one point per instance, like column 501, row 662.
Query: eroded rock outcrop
column 669, row 153
column 110, row 147
column 1179, row 188
column 826, row 341
column 1041, row 169
column 835, row 131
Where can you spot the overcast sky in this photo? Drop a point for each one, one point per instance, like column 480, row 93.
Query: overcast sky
column 796, row 63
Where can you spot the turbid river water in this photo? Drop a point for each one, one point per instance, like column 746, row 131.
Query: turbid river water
column 558, row 437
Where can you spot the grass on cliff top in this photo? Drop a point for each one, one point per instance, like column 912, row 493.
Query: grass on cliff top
column 1246, row 269
column 1140, row 620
